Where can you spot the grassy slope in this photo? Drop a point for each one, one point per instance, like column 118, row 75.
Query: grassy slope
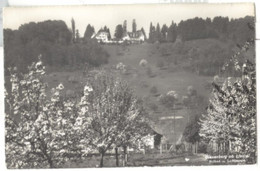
column 173, row 78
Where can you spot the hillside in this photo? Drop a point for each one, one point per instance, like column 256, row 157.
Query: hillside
column 166, row 70
column 171, row 76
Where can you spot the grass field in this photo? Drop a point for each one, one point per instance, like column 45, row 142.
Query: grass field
column 137, row 160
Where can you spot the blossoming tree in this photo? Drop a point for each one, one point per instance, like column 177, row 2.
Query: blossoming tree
column 231, row 116
column 46, row 131
column 109, row 114
column 38, row 129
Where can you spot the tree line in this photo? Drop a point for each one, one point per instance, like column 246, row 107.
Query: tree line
column 198, row 28
column 60, row 46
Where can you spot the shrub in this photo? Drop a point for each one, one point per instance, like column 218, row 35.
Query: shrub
column 180, row 148
column 167, row 101
column 72, row 79
column 202, row 148
column 153, row 106
column 121, row 67
column 150, row 73
column 143, row 63
column 153, row 90
column 191, row 91
column 160, row 63
column 144, row 84
column 172, row 68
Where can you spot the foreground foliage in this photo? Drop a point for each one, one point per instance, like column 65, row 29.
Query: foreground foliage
column 48, row 131
column 231, row 118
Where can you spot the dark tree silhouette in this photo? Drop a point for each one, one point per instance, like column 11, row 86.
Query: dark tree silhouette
column 125, row 26
column 119, row 31
column 73, row 30
column 89, row 32
column 134, row 26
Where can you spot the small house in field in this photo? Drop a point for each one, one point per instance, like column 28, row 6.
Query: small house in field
column 134, row 37
column 148, row 142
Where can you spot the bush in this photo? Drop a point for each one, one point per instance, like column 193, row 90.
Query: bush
column 180, row 148
column 153, row 106
column 191, row 91
column 172, row 68
column 167, row 100
column 143, row 63
column 120, row 66
column 153, row 90
column 150, row 73
column 160, row 63
column 202, row 148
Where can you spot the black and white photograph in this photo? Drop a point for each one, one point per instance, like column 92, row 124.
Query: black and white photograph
column 129, row 85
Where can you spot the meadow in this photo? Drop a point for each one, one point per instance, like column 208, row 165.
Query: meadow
column 139, row 159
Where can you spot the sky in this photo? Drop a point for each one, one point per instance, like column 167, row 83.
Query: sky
column 112, row 15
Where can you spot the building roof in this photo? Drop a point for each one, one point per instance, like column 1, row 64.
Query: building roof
column 136, row 34
column 101, row 31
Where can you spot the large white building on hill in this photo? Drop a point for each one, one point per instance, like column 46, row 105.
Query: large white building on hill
column 134, row 37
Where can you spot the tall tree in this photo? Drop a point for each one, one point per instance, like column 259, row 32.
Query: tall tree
column 105, row 28
column 164, row 33
column 89, row 32
column 119, row 31
column 48, row 38
column 172, row 32
column 109, row 112
column 134, row 26
column 109, row 34
column 125, row 26
column 152, row 35
column 39, row 131
column 218, row 126
column 231, row 117
column 198, row 31
column 158, row 32
column 220, row 24
column 142, row 29
column 73, row 30
column 191, row 131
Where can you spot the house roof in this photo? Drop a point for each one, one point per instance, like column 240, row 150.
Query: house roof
column 101, row 31
column 136, row 34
